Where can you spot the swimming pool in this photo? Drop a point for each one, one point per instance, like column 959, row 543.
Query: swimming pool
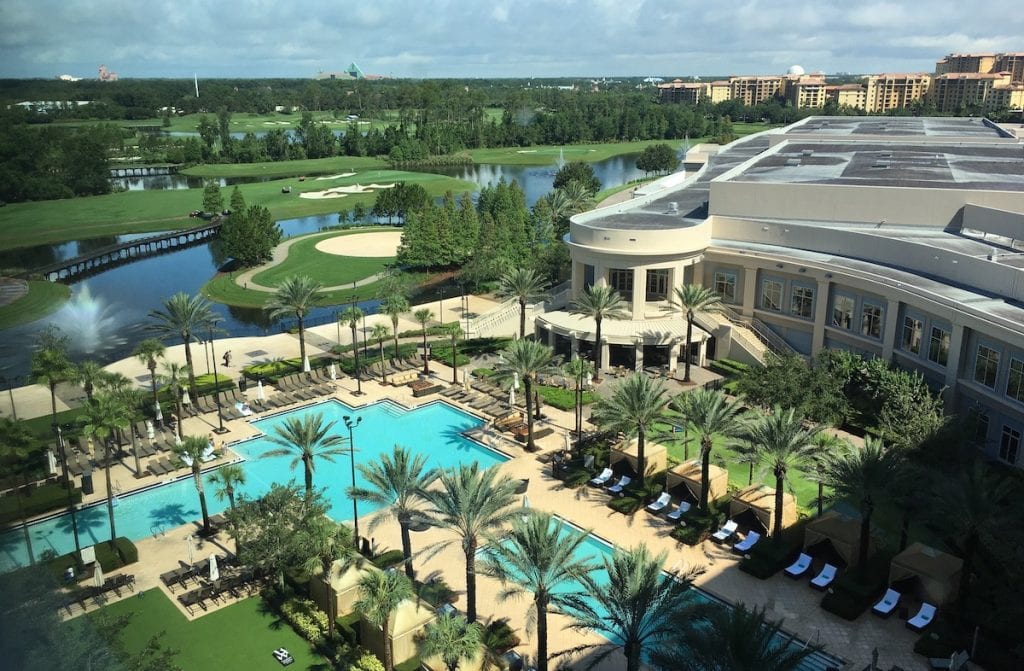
column 434, row 429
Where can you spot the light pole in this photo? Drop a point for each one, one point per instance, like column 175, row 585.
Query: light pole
column 440, row 306
column 216, row 382
column 10, row 390
column 71, row 501
column 351, row 425
column 206, row 352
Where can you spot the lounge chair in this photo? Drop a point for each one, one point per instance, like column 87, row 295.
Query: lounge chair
column 923, row 618
column 450, row 392
column 956, row 662
column 620, row 485
column 747, row 543
column 604, row 477
column 800, row 566
column 156, row 468
column 663, row 502
column 677, row 514
column 887, row 604
column 824, row 578
column 726, row 532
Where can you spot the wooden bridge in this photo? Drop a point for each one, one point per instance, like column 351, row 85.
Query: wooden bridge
column 143, row 170
column 105, row 258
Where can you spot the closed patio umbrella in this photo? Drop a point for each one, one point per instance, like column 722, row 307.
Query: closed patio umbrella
column 214, row 571
column 159, row 413
column 333, row 372
column 97, row 575
column 511, row 395
column 150, row 431
column 261, row 395
column 305, row 364
column 185, row 398
column 51, row 462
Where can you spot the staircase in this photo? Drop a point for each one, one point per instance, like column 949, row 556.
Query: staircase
column 750, row 334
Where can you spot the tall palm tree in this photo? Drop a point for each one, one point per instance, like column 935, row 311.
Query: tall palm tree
column 538, row 556
column 381, row 592
column 692, row 300
column 325, row 542
column 599, row 302
column 396, row 485
column 379, row 332
column 784, row 442
column 394, row 306
column 453, row 639
column 723, row 638
column 227, row 479
column 580, row 371
column 149, row 352
column 173, row 376
column 17, row 457
column 825, row 447
column 634, row 407
column 454, row 331
column 526, row 286
column 471, row 503
column 867, row 478
column 51, row 366
column 424, row 315
column 104, row 417
column 295, row 297
column 636, row 611
column 351, row 316
column 526, row 359
column 190, row 453
column 182, row 316
column 89, row 375
column 131, row 398
column 709, row 414
column 310, row 438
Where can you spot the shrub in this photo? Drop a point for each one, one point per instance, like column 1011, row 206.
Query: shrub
column 563, row 399
column 127, row 550
column 774, row 554
column 367, row 661
column 699, row 525
column 43, row 499
column 388, row 559
column 483, row 372
column 306, row 619
column 854, row 591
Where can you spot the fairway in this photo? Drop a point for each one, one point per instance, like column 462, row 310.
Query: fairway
column 309, row 166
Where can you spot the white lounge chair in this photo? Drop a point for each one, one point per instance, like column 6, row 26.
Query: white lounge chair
column 923, row 618
column 677, row 514
column 750, row 541
column 825, row 578
column 604, row 477
column 887, row 604
column 663, row 502
column 800, row 566
column 620, row 485
column 956, row 662
column 726, row 532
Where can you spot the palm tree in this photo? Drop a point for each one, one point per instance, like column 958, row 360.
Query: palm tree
column 325, row 541
column 526, row 286
column 540, row 557
column 727, row 638
column 394, row 306
column 783, row 441
column 295, row 297
column 599, row 302
column 381, row 592
column 379, row 332
column 424, row 315
column 104, row 417
column 90, row 375
column 453, row 639
column 868, row 478
column 310, row 437
column 182, row 315
column 636, row 610
column 580, row 370
column 825, row 447
column 692, row 300
column 396, row 485
column 526, row 359
column 17, row 454
column 227, row 479
column 190, row 453
column 149, row 352
column 173, row 375
column 131, row 398
column 709, row 414
column 51, row 365
column 351, row 316
column 635, row 406
column 454, row 331
column 471, row 502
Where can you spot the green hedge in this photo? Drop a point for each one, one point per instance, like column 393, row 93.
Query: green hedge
column 771, row 555
column 306, row 619
column 42, row 499
column 205, row 385
column 388, row 559
column 437, row 330
column 856, row 590
column 110, row 559
column 483, row 373
column 564, row 399
column 699, row 525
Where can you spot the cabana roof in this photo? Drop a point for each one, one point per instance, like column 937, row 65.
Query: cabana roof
column 655, row 455
column 760, row 500
column 939, row 572
column 841, row 531
column 688, row 474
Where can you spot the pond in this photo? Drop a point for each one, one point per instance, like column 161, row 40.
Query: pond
column 107, row 312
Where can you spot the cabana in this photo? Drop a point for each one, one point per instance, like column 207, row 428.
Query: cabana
column 655, row 456
column 839, row 532
column 757, row 504
column 345, row 584
column 687, row 474
column 937, row 572
column 406, row 624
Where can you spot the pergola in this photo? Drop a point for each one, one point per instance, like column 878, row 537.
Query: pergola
column 840, row 531
column 655, row 456
column 938, row 572
column 688, row 474
column 760, row 501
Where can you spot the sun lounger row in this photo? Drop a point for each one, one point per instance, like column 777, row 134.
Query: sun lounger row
column 112, row 584
column 230, row 585
column 887, row 605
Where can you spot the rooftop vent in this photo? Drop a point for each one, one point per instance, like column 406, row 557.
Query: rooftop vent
column 673, row 207
column 881, row 164
column 792, row 162
column 993, row 255
column 806, row 152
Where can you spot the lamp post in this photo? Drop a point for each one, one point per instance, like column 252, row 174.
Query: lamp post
column 351, row 425
column 216, row 382
column 10, row 390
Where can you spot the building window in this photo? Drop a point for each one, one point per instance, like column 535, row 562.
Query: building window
column 588, row 276
column 938, row 348
column 802, row 302
column 657, row 284
column 771, row 295
column 977, row 423
column 1015, row 381
column 871, row 321
column 621, row 280
column 986, row 366
column 913, row 331
column 725, row 286
column 1009, row 444
column 842, row 311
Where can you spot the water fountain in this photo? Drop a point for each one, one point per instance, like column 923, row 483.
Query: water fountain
column 90, row 322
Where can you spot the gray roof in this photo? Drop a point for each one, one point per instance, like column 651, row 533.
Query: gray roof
column 963, row 127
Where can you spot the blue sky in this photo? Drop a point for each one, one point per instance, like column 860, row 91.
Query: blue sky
column 493, row 38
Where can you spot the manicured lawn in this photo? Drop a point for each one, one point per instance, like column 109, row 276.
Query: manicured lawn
column 222, row 289
column 310, row 166
column 329, row 269
column 603, row 194
column 240, row 637
column 549, row 154
column 42, row 299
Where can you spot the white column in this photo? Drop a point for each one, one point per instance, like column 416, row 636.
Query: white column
column 639, row 292
column 820, row 316
column 749, row 291
column 578, row 275
column 551, row 337
column 639, row 345
column 957, row 342
column 604, row 354
column 889, row 332
column 574, row 343
column 600, row 276
column 673, row 356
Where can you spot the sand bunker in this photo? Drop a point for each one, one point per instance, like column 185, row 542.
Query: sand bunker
column 379, row 244
column 344, row 174
column 342, row 191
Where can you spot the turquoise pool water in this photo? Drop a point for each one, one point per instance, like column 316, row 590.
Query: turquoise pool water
column 434, row 430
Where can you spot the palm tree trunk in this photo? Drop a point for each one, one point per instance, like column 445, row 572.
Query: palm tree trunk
column 426, row 359
column 970, row 547
column 904, row 531
column 180, row 412
column 686, row 354
column 110, row 494
column 597, row 351
column 24, row 526
column 230, row 491
column 640, row 456
column 471, row 581
column 530, row 445
column 522, row 318
column 632, row 651
column 705, row 473
column 355, row 348
column 202, row 497
column 63, row 451
column 331, row 603
column 383, row 371
column 542, row 634
column 821, row 494
column 780, row 482
column 302, row 342
column 536, row 405
column 394, row 327
column 750, row 474
column 135, row 453
column 455, row 358
column 865, row 534
column 191, row 370
column 307, row 462
column 152, row 380
column 407, row 549
column 389, row 652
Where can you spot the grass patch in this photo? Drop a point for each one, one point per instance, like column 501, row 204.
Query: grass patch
column 273, row 169
column 604, row 194
column 563, row 399
column 331, row 270
column 223, row 289
column 42, row 298
column 550, row 154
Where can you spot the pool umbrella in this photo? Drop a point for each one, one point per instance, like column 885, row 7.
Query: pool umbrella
column 515, row 380
column 526, row 501
column 305, row 364
column 159, row 413
column 97, row 575
column 51, row 462
column 511, row 395
column 150, row 431
column 465, row 381
column 188, row 540
column 333, row 372
column 185, row 398
column 214, row 571
column 260, row 394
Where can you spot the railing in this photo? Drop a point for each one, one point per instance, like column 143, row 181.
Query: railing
column 507, row 310
column 775, row 343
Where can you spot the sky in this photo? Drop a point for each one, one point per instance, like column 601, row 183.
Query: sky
column 494, row 38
